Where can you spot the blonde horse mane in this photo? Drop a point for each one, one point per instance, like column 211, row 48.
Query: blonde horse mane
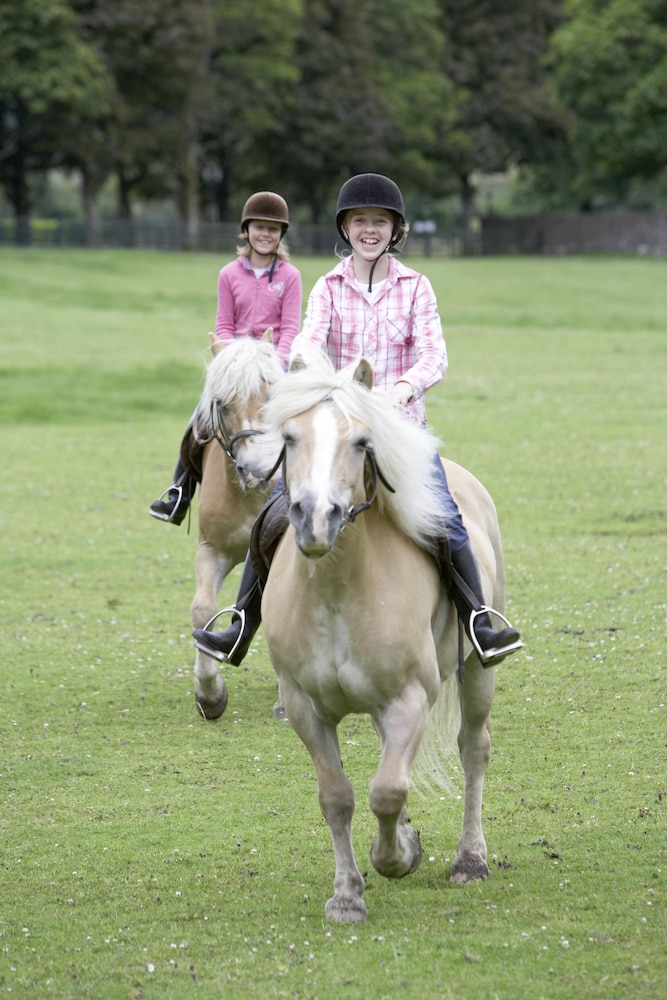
column 403, row 450
column 238, row 370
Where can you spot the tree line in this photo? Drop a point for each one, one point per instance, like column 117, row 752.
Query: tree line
column 203, row 101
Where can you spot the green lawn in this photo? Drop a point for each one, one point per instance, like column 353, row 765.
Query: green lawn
column 147, row 854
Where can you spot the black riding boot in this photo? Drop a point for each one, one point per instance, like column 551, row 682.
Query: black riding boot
column 232, row 645
column 174, row 503
column 491, row 645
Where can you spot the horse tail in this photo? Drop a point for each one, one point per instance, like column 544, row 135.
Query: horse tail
column 436, row 766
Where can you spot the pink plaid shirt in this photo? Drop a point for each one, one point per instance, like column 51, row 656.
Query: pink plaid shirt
column 399, row 333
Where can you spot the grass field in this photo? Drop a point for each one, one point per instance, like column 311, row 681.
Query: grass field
column 147, row 854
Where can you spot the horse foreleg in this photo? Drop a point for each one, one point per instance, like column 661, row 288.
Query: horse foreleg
column 397, row 850
column 211, row 568
column 474, row 739
column 336, row 798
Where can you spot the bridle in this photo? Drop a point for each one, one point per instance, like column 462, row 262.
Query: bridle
column 372, row 474
column 226, row 440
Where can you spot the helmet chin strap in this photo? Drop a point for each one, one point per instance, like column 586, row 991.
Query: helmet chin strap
column 386, row 250
column 372, row 270
column 262, row 253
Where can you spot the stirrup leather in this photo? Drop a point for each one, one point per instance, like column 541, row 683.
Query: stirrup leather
column 161, row 499
column 489, row 656
column 217, row 653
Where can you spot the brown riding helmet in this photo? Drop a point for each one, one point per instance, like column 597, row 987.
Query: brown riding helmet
column 267, row 206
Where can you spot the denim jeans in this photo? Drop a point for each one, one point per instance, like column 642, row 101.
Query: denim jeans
column 456, row 529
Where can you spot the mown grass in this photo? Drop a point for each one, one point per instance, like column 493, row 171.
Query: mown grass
column 147, row 854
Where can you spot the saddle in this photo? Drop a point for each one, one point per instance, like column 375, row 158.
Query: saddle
column 272, row 522
column 196, row 437
column 267, row 531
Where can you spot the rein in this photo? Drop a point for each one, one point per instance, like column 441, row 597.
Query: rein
column 375, row 474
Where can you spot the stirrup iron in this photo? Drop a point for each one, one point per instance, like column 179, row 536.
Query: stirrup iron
column 217, row 653
column 161, row 498
column 488, row 657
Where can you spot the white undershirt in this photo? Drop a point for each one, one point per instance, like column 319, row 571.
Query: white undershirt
column 363, row 287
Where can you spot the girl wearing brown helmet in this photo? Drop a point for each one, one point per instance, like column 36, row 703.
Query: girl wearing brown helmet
column 371, row 305
column 258, row 290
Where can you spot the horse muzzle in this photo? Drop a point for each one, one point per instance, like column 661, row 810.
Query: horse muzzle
column 316, row 527
column 255, row 462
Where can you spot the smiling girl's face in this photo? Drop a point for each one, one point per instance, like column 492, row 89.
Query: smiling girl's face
column 264, row 237
column 369, row 231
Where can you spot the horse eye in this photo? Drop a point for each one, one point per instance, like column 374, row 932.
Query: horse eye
column 362, row 443
column 289, row 439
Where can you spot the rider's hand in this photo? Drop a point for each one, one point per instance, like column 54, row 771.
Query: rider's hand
column 401, row 393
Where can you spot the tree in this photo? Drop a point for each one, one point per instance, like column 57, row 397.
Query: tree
column 51, row 83
column 409, row 50
column 369, row 97
column 157, row 53
column 252, row 78
column 609, row 68
column 503, row 111
column 335, row 122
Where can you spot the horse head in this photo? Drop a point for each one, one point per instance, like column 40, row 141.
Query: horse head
column 238, row 382
column 325, row 456
column 344, row 443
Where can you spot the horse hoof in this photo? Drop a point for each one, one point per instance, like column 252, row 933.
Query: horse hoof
column 400, row 867
column 469, row 869
column 279, row 710
column 346, row 909
column 211, row 710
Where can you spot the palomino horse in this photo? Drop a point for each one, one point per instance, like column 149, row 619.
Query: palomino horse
column 235, row 464
column 357, row 620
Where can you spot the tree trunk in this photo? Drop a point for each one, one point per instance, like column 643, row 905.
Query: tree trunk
column 124, row 188
column 18, row 194
column 468, row 239
column 91, row 187
column 189, row 196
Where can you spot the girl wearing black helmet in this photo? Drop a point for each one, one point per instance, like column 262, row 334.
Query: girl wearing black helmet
column 371, row 305
column 259, row 289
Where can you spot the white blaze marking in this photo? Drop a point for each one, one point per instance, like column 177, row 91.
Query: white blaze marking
column 325, row 431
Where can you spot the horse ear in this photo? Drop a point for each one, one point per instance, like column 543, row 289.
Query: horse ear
column 364, row 373
column 216, row 344
column 297, row 364
column 267, row 336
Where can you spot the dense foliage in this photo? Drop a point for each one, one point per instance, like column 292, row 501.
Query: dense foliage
column 201, row 101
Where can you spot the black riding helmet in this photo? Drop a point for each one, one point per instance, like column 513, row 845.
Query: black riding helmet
column 370, row 191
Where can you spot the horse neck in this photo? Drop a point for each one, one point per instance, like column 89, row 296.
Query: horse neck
column 352, row 562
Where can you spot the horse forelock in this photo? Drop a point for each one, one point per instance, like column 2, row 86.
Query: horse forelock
column 403, row 450
column 240, row 370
